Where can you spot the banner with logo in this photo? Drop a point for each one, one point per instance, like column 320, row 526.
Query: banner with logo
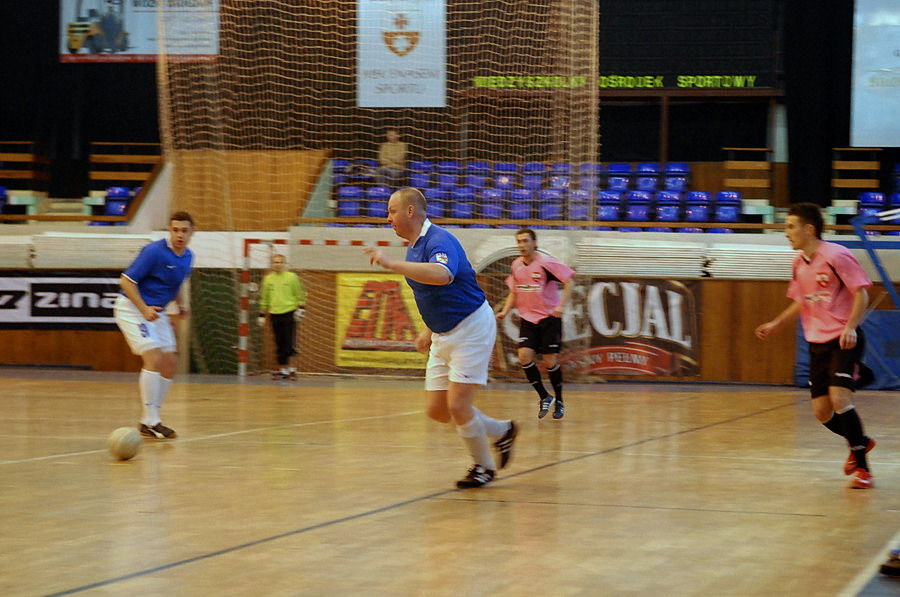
column 401, row 54
column 377, row 322
column 58, row 299
column 616, row 326
column 127, row 30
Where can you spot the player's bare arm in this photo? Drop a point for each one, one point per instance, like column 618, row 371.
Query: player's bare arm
column 424, row 273
column 507, row 306
column 860, row 302
column 789, row 314
column 564, row 300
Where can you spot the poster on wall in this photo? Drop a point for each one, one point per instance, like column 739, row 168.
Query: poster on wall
column 129, row 30
column 58, row 300
column 616, row 326
column 377, row 322
column 401, row 54
column 875, row 82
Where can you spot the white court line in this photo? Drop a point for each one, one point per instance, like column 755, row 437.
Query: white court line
column 866, row 574
column 227, row 434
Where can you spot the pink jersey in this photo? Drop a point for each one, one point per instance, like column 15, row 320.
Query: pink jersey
column 536, row 285
column 824, row 287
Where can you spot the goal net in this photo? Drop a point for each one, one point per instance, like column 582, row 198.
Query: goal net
column 252, row 135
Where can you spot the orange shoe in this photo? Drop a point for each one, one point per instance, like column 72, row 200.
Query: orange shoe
column 863, row 479
column 850, row 464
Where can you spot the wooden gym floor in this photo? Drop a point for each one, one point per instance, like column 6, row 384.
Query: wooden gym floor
column 330, row 486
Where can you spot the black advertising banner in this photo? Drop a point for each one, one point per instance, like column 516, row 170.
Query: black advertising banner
column 58, row 299
column 618, row 326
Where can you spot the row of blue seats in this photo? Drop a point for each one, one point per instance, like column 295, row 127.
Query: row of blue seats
column 553, row 204
column 532, row 176
column 116, row 202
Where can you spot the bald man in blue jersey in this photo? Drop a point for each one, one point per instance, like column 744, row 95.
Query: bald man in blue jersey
column 460, row 331
column 152, row 281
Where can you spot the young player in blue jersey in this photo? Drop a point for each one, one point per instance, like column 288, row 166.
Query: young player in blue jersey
column 459, row 335
column 151, row 282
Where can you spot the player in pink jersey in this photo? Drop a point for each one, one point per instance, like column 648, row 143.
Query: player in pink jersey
column 534, row 291
column 829, row 293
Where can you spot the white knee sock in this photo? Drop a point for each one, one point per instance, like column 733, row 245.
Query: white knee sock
column 165, row 384
column 149, row 382
column 494, row 428
column 476, row 441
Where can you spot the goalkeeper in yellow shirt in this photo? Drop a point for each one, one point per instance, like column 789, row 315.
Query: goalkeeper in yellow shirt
column 282, row 298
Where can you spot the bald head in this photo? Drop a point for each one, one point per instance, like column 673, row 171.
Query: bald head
column 411, row 196
column 406, row 212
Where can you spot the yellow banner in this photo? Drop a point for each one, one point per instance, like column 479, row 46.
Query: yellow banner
column 377, row 322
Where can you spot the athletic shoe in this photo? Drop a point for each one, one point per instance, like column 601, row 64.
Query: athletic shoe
column 158, row 431
column 545, row 403
column 504, row 444
column 560, row 411
column 850, row 464
column 478, row 476
column 863, row 479
column 891, row 567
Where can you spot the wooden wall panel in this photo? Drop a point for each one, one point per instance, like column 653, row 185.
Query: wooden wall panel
column 244, row 190
column 99, row 350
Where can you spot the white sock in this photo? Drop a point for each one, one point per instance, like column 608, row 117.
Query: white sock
column 148, row 382
column 493, row 427
column 476, row 441
column 165, row 384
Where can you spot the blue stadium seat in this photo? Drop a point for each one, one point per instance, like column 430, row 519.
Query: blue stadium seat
column 491, row 204
column 339, row 171
column 550, row 204
column 505, row 181
column 421, row 166
column 647, row 176
column 668, row 207
column 533, row 182
column 435, row 201
column 659, row 229
column 560, row 169
column 637, row 206
column 618, row 177
column 482, row 168
column 476, row 180
column 872, row 199
column 349, row 201
column 589, row 182
column 560, row 182
column 534, row 168
column 692, row 230
column 449, row 167
column 720, row 230
column 590, row 169
column 580, row 204
column 697, row 207
column 420, row 180
column 728, row 206
column 3, row 198
column 506, row 168
column 446, row 180
column 895, row 200
column 377, row 200
column 521, row 204
column 462, row 202
column 677, row 175
column 609, row 206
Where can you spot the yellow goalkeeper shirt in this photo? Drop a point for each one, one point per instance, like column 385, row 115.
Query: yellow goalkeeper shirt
column 281, row 293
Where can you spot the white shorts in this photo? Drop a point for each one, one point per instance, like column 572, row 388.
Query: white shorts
column 463, row 354
column 143, row 335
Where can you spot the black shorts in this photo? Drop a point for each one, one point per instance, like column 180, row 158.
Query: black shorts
column 830, row 365
column 543, row 337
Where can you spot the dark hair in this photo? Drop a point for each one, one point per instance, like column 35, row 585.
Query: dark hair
column 527, row 231
column 808, row 213
column 182, row 216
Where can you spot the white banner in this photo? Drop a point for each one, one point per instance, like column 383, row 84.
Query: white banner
column 126, row 30
column 401, row 54
column 875, row 87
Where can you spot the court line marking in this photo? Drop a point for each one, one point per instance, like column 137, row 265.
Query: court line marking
column 641, row 507
column 397, row 505
column 225, row 434
column 870, row 572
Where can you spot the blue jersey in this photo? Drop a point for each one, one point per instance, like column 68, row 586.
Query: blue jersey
column 443, row 307
column 159, row 272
